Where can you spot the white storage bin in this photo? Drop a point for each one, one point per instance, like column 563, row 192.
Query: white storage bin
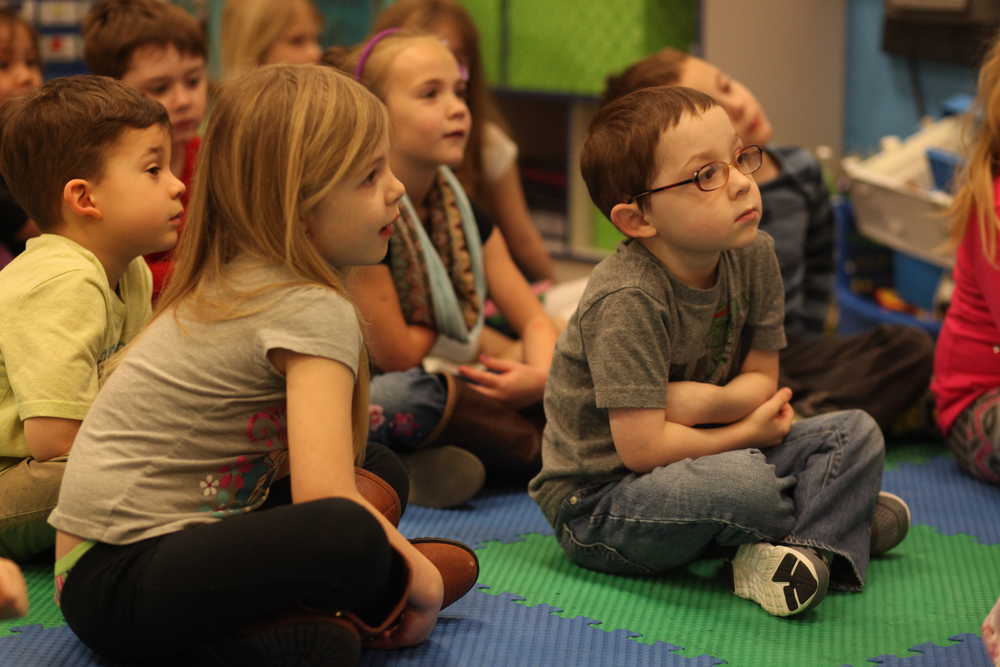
column 893, row 196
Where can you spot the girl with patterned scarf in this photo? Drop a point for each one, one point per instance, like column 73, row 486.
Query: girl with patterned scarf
column 424, row 304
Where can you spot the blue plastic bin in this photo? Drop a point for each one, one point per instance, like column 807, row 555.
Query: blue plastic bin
column 944, row 164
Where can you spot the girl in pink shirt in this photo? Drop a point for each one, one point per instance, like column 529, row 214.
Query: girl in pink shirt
column 966, row 380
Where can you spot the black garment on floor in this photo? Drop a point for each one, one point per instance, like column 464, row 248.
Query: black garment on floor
column 884, row 371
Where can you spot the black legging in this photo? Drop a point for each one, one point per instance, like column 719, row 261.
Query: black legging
column 167, row 595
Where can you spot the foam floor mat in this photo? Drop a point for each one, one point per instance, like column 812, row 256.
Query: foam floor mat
column 921, row 608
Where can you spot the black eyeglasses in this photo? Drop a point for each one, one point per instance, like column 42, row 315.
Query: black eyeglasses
column 715, row 175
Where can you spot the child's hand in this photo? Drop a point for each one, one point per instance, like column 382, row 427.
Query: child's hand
column 423, row 603
column 13, row 591
column 512, row 382
column 991, row 633
column 773, row 419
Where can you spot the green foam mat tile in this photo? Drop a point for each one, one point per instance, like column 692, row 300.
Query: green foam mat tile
column 42, row 608
column 931, row 588
column 912, row 452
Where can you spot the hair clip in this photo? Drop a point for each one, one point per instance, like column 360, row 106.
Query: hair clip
column 369, row 47
column 463, row 73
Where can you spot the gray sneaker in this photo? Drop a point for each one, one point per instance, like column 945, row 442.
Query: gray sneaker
column 890, row 523
column 443, row 476
column 783, row 579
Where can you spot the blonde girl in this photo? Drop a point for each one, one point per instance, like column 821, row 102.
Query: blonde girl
column 426, row 300
column 265, row 32
column 210, row 510
column 966, row 380
column 489, row 170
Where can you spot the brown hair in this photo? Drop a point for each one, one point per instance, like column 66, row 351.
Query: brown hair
column 62, row 131
column 663, row 68
column 9, row 18
column 424, row 15
column 619, row 155
column 114, row 29
column 974, row 198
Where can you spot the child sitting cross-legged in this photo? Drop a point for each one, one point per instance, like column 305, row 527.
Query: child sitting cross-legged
column 211, row 511
column 88, row 158
column 668, row 437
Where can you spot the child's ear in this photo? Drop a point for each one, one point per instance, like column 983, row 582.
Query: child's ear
column 630, row 221
column 77, row 195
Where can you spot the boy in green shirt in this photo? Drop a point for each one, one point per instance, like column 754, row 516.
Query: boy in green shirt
column 88, row 158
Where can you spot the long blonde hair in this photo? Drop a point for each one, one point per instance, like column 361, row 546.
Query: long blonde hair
column 975, row 195
column 251, row 27
column 279, row 139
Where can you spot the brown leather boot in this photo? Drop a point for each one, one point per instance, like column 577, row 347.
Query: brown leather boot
column 508, row 443
column 459, row 568
column 379, row 493
column 457, row 563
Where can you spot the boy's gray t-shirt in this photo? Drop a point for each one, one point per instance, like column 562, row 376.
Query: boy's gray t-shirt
column 190, row 428
column 636, row 329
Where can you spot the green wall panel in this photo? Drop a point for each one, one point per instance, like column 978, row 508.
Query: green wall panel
column 570, row 46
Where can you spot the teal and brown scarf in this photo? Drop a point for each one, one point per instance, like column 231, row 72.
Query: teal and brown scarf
column 437, row 265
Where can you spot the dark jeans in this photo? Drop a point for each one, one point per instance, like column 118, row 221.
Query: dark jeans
column 162, row 598
column 815, row 489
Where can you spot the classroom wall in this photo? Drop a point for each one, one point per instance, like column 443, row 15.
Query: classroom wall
column 878, row 96
column 791, row 55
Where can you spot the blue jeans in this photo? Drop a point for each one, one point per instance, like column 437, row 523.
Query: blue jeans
column 404, row 407
column 816, row 489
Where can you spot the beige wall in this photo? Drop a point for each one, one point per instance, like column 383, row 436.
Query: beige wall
column 790, row 53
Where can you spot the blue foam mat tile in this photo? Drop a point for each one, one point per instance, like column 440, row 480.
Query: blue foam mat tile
column 37, row 646
column 494, row 515
column 968, row 652
column 483, row 629
column 941, row 495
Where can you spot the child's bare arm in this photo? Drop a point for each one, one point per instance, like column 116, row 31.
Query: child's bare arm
column 49, row 437
column 645, row 440
column 13, row 591
column 319, row 396
column 394, row 344
column 691, row 403
column 513, row 296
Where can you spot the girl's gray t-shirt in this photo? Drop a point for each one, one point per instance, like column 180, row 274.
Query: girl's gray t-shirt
column 190, row 428
column 637, row 328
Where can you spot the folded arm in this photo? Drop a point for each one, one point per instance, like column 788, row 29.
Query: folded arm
column 645, row 440
column 691, row 403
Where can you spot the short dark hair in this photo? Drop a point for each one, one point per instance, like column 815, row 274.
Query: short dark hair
column 663, row 68
column 619, row 155
column 62, row 131
column 114, row 29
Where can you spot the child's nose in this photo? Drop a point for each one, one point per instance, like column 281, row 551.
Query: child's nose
column 181, row 97
column 739, row 182
column 395, row 191
column 459, row 108
column 178, row 187
column 26, row 76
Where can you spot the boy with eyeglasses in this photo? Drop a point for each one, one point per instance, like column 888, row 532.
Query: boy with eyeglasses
column 668, row 438
column 885, row 370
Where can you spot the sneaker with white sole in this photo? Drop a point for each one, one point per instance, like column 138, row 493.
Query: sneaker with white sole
column 783, row 579
column 890, row 522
